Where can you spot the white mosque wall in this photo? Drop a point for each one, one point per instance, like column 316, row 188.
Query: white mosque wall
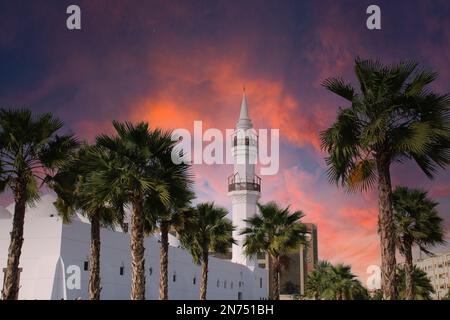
column 51, row 250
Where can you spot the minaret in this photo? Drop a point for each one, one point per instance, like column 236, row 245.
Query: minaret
column 244, row 186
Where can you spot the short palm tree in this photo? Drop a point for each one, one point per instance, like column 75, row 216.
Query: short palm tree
column 275, row 231
column 343, row 280
column 30, row 151
column 131, row 172
column 417, row 222
column 179, row 182
column 421, row 283
column 73, row 187
column 357, row 291
column 318, row 280
column 334, row 282
column 207, row 230
column 393, row 117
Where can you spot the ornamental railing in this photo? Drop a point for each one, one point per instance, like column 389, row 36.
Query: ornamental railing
column 236, row 184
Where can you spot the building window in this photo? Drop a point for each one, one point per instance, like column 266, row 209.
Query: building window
column 235, row 141
column 122, row 269
column 150, row 271
column 194, row 280
column 231, row 285
column 225, row 284
column 174, row 278
column 218, row 283
column 86, row 266
column 260, row 282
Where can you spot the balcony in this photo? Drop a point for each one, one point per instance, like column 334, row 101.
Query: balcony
column 236, row 184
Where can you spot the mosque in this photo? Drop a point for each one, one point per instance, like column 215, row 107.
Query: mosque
column 54, row 263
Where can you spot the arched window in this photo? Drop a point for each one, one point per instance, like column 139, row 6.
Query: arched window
column 260, row 282
column 218, row 283
column 194, row 280
column 235, row 141
column 150, row 271
column 174, row 278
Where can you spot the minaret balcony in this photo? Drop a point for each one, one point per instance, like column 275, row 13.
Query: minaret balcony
column 237, row 184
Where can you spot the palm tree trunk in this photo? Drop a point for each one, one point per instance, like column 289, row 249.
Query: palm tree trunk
column 204, row 284
column 164, row 261
column 275, row 279
column 408, row 270
column 11, row 284
column 338, row 295
column 386, row 225
column 137, row 252
column 94, row 276
column 270, row 275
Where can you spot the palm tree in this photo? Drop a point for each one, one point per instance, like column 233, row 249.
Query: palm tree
column 394, row 117
column 178, row 180
column 422, row 285
column 74, row 191
column 334, row 282
column 207, row 231
column 318, row 280
column 417, row 222
column 277, row 232
column 343, row 280
column 131, row 172
column 30, row 150
column 357, row 291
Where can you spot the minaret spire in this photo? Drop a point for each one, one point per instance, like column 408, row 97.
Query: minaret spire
column 244, row 121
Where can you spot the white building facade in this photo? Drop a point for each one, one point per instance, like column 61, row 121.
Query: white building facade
column 55, row 256
column 437, row 269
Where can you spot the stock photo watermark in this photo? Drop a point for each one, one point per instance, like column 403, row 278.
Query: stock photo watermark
column 235, row 146
column 373, row 281
column 73, row 21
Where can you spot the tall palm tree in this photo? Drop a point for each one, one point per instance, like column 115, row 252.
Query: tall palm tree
column 30, row 150
column 417, row 222
column 132, row 172
column 421, row 283
column 394, row 117
column 275, row 231
column 178, row 180
column 207, row 230
column 74, row 191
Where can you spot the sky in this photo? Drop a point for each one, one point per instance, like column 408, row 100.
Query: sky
column 172, row 62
